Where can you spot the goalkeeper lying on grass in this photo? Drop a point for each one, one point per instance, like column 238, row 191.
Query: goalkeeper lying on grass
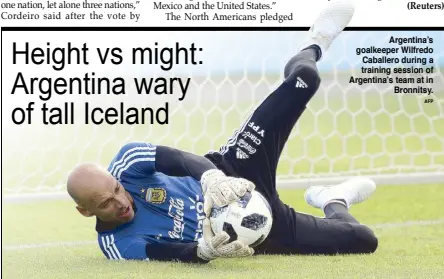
column 149, row 204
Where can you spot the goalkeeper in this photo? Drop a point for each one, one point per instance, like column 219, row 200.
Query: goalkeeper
column 151, row 202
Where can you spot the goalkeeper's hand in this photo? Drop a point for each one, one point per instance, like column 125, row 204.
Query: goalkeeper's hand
column 222, row 190
column 213, row 246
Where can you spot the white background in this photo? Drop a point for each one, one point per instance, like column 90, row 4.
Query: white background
column 368, row 13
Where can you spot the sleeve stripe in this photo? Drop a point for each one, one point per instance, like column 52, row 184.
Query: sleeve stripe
column 110, row 247
column 232, row 140
column 150, row 155
column 132, row 162
column 113, row 245
column 104, row 248
column 131, row 150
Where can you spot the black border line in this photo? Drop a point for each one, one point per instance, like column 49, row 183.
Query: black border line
column 222, row 28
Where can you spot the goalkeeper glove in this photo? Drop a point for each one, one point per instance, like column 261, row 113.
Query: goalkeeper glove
column 222, row 190
column 217, row 246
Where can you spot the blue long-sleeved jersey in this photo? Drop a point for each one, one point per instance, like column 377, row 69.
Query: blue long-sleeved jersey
column 168, row 209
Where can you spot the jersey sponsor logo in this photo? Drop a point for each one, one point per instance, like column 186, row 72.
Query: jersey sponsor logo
column 175, row 211
column 243, row 144
column 257, row 129
column 198, row 205
column 240, row 154
column 300, row 83
column 254, row 138
column 155, row 195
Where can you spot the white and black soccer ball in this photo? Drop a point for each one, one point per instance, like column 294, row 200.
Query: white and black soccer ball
column 248, row 220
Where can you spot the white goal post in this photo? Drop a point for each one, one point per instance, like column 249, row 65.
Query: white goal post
column 347, row 130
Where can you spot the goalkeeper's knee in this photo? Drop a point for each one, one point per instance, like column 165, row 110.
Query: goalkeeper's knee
column 366, row 241
column 304, row 75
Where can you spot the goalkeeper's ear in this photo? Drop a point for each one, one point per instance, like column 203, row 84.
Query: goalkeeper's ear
column 84, row 212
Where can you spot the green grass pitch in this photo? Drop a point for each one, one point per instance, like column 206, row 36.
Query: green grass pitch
column 406, row 250
column 370, row 133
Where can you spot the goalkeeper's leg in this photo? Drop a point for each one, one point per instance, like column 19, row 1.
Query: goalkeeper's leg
column 339, row 232
column 253, row 151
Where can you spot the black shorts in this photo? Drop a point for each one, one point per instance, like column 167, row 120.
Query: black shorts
column 253, row 153
column 254, row 150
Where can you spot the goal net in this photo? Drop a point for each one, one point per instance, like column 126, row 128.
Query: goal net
column 347, row 130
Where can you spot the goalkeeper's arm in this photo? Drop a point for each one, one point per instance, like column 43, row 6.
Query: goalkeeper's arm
column 140, row 249
column 217, row 187
column 175, row 162
column 156, row 158
column 196, row 252
column 201, row 252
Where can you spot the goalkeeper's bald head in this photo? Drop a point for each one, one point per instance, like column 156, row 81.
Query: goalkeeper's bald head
column 83, row 180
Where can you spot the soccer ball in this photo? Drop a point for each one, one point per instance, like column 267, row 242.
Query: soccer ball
column 248, row 220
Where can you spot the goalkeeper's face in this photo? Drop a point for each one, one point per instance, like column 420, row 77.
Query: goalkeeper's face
column 111, row 203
